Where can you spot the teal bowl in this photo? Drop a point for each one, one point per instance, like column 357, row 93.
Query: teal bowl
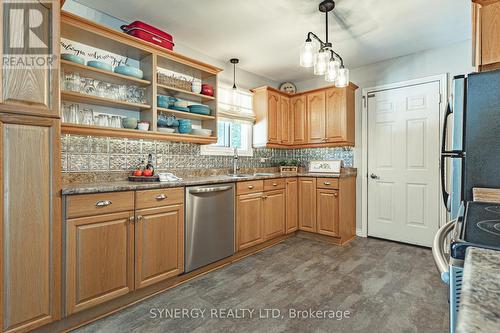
column 129, row 71
column 73, row 58
column 100, row 65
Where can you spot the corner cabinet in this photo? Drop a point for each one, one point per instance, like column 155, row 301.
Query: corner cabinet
column 485, row 30
column 30, row 223
column 320, row 118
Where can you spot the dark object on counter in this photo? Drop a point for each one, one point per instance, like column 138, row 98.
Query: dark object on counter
column 150, row 166
column 154, row 178
column 150, row 34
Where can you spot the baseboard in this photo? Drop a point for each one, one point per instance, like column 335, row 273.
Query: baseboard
column 359, row 232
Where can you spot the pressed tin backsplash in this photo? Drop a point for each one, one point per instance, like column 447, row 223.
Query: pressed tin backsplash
column 90, row 154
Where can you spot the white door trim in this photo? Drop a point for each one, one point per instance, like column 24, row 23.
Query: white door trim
column 443, row 87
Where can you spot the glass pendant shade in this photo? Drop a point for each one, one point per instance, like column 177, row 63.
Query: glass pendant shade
column 343, row 78
column 235, row 98
column 320, row 63
column 307, row 54
column 332, row 70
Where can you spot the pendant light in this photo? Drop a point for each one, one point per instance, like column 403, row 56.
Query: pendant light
column 234, row 94
column 325, row 60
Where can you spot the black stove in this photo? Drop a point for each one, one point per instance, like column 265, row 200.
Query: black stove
column 478, row 227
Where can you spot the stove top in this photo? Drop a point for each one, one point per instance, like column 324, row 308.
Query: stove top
column 479, row 227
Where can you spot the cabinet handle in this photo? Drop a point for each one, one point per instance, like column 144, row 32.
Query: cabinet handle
column 103, row 203
column 131, row 219
column 327, row 183
column 264, row 197
column 139, row 217
column 275, row 184
column 335, row 194
column 161, row 197
column 250, row 186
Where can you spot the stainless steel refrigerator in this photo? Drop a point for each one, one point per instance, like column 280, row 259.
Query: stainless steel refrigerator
column 470, row 155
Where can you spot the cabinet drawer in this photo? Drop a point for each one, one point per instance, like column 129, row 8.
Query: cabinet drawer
column 251, row 186
column 99, row 203
column 328, row 183
column 274, row 184
column 158, row 198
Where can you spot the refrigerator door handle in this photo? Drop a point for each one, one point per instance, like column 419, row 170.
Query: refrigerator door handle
column 446, row 195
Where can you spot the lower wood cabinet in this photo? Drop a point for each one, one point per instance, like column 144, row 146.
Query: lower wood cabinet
column 274, row 214
column 100, row 259
column 327, row 212
column 159, row 244
column 249, row 222
column 307, row 204
column 292, row 201
column 30, row 222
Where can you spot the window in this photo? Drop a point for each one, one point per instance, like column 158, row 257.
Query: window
column 234, row 126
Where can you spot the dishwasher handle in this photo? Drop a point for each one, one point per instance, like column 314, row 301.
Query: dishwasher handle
column 210, row 189
column 442, row 263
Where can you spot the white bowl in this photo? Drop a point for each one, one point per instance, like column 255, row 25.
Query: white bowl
column 143, row 126
column 166, row 130
column 201, row 131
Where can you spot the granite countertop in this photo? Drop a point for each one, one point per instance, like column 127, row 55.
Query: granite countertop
column 86, row 188
column 479, row 310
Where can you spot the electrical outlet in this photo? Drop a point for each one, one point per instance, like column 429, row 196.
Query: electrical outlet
column 263, row 160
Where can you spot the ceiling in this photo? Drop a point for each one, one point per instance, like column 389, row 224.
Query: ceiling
column 267, row 34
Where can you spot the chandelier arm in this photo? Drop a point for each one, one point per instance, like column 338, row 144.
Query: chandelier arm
column 309, row 34
column 338, row 56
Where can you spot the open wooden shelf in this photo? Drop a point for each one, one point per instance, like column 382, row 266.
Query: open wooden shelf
column 95, row 100
column 103, row 75
column 186, row 115
column 176, row 92
column 67, row 128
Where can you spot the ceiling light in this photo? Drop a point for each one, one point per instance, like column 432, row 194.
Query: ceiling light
column 326, row 61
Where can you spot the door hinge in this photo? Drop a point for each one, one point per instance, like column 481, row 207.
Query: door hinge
column 440, row 98
column 371, row 95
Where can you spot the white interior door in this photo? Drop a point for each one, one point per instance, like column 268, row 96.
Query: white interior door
column 403, row 163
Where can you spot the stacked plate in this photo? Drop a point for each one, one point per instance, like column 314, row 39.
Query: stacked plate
column 199, row 109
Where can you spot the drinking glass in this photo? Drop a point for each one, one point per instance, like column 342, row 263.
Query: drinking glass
column 75, row 82
column 88, row 117
column 122, row 92
column 73, row 113
column 101, row 89
column 89, row 87
column 103, row 120
column 116, row 121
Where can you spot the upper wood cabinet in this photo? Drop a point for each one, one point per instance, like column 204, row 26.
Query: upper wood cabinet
column 34, row 88
column 298, row 123
column 319, row 118
column 486, row 29
column 30, row 223
column 316, row 116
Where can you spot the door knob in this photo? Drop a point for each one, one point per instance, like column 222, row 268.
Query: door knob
column 374, row 176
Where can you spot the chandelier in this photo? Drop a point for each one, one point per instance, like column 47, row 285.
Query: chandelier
column 325, row 60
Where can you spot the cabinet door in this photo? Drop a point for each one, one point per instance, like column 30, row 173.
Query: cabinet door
column 274, row 214
column 249, row 220
column 292, row 201
column 490, row 30
column 285, row 120
column 33, row 88
column 307, row 204
column 273, row 117
column 30, row 223
column 328, row 212
column 316, row 117
column 159, row 244
column 335, row 115
column 299, row 125
column 99, row 259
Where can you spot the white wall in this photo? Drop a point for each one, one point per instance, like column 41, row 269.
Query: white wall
column 244, row 79
column 453, row 59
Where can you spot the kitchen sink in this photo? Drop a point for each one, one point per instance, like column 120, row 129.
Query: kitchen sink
column 240, row 175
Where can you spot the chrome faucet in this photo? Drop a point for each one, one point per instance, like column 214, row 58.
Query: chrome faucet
column 236, row 167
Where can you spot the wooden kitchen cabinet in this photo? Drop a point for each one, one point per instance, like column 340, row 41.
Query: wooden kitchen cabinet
column 316, row 117
column 322, row 117
column 32, row 89
column 99, row 259
column 274, row 209
column 307, row 204
column 30, row 223
column 327, row 210
column 298, row 111
column 486, row 29
column 292, row 201
column 159, row 244
column 249, row 220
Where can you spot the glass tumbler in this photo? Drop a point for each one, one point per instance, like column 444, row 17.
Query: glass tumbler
column 88, row 117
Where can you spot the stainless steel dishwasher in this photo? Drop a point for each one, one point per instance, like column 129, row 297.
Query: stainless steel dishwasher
column 209, row 224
